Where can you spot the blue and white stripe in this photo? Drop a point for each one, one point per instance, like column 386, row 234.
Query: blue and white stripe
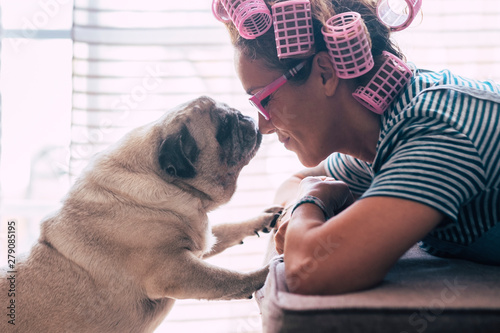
column 439, row 145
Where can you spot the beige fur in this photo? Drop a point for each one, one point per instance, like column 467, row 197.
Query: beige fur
column 132, row 231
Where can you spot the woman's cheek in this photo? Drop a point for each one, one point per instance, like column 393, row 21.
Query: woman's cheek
column 285, row 117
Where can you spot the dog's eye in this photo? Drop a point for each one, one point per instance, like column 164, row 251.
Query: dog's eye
column 224, row 130
column 265, row 101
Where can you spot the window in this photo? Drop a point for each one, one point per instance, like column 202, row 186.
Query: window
column 459, row 35
column 67, row 92
column 66, row 98
column 36, row 109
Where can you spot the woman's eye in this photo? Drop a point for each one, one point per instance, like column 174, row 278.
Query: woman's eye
column 265, row 101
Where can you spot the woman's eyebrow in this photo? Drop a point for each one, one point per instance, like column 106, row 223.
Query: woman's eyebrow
column 250, row 91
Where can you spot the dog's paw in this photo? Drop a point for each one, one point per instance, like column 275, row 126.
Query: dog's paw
column 266, row 221
column 253, row 281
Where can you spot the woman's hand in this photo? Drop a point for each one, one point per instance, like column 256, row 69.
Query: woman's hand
column 287, row 193
column 279, row 237
column 335, row 195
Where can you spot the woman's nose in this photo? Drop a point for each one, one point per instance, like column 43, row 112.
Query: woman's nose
column 265, row 126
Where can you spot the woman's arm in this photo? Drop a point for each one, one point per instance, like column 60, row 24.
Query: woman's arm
column 286, row 196
column 355, row 249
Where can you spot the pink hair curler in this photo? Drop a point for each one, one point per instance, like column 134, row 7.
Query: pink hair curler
column 349, row 46
column 219, row 11
column 385, row 85
column 398, row 14
column 252, row 18
column 293, row 27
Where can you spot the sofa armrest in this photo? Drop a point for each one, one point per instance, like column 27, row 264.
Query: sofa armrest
column 421, row 293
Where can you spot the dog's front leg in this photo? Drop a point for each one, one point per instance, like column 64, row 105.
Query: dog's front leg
column 189, row 277
column 230, row 234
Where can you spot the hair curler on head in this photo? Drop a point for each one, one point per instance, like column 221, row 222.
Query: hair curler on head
column 348, row 44
column 293, row 27
column 220, row 12
column 252, row 18
column 385, row 85
column 398, row 14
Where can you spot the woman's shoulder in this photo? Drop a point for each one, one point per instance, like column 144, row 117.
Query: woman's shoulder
column 446, row 106
column 425, row 81
column 442, row 95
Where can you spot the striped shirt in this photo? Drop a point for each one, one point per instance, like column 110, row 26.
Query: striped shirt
column 439, row 145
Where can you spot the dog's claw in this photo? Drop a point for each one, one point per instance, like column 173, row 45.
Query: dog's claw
column 275, row 219
column 257, row 233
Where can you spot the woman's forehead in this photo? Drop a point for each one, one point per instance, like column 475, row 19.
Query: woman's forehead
column 253, row 73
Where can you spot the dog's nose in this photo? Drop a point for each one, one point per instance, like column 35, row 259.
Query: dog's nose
column 247, row 127
column 250, row 135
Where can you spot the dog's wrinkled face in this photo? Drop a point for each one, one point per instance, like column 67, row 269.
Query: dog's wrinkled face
column 205, row 145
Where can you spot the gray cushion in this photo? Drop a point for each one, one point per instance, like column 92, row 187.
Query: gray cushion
column 421, row 293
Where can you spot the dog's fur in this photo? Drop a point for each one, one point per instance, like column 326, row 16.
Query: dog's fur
column 132, row 232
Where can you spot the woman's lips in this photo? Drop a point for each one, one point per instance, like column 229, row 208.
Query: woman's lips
column 285, row 142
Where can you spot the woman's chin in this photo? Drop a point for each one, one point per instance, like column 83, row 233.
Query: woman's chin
column 307, row 161
column 305, row 158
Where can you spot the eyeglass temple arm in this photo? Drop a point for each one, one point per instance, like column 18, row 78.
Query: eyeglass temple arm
column 292, row 72
column 281, row 80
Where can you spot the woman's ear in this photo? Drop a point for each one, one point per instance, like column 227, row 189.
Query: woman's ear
column 323, row 68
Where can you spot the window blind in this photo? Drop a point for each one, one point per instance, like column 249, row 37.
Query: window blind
column 460, row 35
column 1, row 39
column 133, row 60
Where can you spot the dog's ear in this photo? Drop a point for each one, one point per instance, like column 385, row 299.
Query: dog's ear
column 178, row 154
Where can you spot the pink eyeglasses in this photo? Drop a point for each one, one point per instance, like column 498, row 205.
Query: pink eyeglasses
column 258, row 99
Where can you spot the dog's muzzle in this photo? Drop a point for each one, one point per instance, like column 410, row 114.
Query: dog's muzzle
column 239, row 139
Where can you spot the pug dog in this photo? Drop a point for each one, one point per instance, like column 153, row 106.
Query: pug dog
column 131, row 234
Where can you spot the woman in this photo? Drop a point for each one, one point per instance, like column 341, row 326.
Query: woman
column 427, row 169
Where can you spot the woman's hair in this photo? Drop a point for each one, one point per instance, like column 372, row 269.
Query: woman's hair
column 264, row 46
